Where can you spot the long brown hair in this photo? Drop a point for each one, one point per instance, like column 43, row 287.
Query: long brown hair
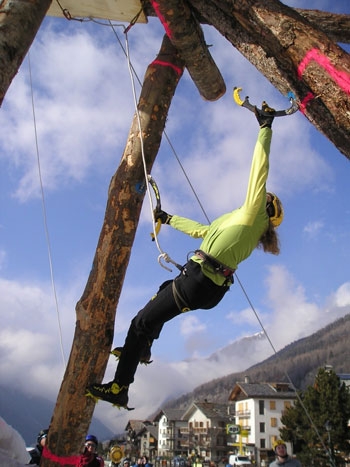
column 269, row 240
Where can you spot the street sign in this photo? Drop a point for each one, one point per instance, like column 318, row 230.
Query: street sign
column 233, row 429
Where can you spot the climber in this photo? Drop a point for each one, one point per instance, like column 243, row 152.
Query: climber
column 208, row 274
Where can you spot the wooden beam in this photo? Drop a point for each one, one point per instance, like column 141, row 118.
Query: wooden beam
column 187, row 36
column 19, row 23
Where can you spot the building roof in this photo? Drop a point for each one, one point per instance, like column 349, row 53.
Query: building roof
column 135, row 425
column 211, row 410
column 245, row 390
column 170, row 414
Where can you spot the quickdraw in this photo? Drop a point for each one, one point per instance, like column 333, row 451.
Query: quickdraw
column 158, row 205
column 163, row 256
column 278, row 113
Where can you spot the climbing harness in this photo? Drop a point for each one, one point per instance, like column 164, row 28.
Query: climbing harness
column 277, row 113
column 215, row 265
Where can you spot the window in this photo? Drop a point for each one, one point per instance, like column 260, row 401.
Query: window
column 262, row 427
column 261, row 407
column 287, row 404
column 262, row 443
column 272, row 405
column 273, row 422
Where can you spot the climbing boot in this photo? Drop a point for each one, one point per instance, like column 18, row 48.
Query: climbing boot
column 145, row 358
column 110, row 392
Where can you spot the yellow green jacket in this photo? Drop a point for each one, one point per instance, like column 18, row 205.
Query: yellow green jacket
column 232, row 237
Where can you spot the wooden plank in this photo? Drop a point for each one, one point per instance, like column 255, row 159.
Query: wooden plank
column 115, row 10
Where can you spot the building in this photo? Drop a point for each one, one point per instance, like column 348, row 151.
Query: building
column 206, row 435
column 258, row 411
column 170, row 433
column 141, row 439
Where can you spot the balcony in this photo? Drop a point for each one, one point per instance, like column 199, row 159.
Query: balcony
column 243, row 413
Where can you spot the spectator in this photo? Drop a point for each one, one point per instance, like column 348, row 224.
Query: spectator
column 145, row 462
column 38, row 450
column 282, row 457
column 90, row 458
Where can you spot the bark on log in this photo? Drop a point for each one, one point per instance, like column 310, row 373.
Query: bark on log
column 96, row 309
column 19, row 23
column 336, row 26
column 187, row 36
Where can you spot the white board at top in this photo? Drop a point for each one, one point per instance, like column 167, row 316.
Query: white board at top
column 115, row 10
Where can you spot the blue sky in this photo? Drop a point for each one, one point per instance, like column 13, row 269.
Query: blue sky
column 83, row 102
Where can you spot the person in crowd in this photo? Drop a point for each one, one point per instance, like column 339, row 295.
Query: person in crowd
column 36, row 453
column 208, row 274
column 145, row 462
column 138, row 463
column 282, row 457
column 90, row 458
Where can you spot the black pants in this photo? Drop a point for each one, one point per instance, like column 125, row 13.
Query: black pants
column 193, row 290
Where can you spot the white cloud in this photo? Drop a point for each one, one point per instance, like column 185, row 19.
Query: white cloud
column 313, row 228
column 191, row 325
column 342, row 295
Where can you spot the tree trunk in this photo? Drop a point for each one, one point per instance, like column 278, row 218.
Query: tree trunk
column 19, row 23
column 96, row 309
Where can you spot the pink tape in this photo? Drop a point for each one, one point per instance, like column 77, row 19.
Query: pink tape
column 177, row 69
column 62, row 460
column 161, row 18
column 305, row 101
column 340, row 77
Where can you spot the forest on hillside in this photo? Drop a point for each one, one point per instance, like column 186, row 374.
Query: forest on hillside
column 298, row 363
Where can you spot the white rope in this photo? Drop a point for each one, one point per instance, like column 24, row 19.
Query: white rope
column 162, row 255
column 45, row 216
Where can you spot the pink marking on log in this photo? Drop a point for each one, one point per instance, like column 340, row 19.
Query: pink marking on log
column 161, row 18
column 62, row 460
column 340, row 77
column 177, row 69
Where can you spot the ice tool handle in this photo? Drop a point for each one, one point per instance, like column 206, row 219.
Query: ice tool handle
column 278, row 113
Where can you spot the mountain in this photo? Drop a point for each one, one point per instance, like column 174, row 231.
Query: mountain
column 297, row 363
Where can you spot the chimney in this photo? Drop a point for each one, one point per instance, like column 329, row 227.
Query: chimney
column 246, row 379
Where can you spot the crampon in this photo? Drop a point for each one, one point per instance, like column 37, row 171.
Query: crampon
column 110, row 392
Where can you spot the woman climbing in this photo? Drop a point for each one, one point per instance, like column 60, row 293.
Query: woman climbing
column 208, row 275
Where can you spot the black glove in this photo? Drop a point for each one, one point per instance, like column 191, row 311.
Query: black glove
column 163, row 216
column 265, row 120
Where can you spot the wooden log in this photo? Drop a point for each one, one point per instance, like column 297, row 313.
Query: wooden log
column 187, row 36
column 19, row 23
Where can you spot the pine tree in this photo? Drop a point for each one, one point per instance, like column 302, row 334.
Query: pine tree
column 317, row 425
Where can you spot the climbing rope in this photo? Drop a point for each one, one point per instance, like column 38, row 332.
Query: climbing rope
column 45, row 215
column 162, row 254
